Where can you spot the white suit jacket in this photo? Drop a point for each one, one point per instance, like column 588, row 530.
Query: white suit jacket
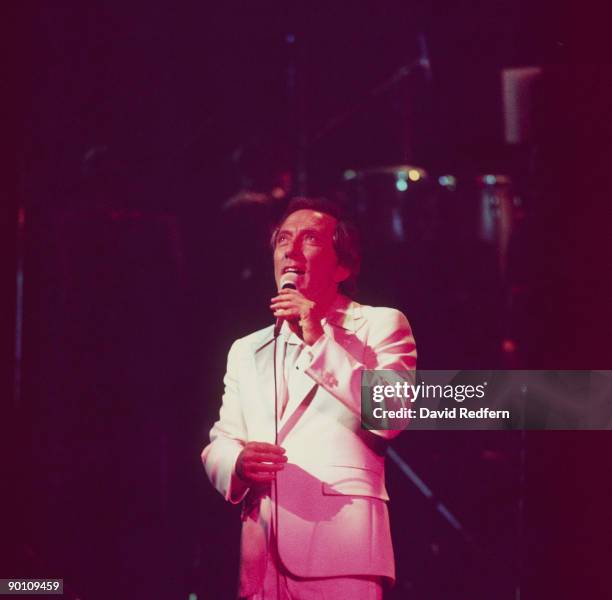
column 332, row 514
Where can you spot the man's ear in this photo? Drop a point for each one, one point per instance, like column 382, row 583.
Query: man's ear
column 342, row 274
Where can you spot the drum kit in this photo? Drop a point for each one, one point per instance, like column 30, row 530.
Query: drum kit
column 407, row 204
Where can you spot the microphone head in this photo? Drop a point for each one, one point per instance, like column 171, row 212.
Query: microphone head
column 287, row 282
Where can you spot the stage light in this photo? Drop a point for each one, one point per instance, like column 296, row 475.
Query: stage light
column 448, row 181
column 401, row 185
column 414, row 175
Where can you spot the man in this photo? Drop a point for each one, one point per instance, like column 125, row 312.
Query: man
column 322, row 529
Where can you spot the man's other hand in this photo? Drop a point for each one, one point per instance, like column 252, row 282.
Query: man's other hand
column 259, row 461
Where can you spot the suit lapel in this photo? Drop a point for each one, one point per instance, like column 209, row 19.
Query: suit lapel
column 345, row 314
column 300, row 384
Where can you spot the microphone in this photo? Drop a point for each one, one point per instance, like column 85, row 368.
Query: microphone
column 286, row 283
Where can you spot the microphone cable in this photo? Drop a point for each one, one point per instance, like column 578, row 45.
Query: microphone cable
column 275, row 482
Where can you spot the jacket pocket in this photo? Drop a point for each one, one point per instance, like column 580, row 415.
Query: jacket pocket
column 344, row 480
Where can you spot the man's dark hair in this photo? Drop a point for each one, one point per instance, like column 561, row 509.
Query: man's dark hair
column 345, row 237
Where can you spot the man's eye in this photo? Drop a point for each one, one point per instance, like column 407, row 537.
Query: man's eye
column 312, row 237
column 281, row 238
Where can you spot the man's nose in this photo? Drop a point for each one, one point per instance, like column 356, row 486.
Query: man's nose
column 294, row 248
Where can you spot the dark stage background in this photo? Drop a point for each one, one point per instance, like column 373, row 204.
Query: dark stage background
column 141, row 138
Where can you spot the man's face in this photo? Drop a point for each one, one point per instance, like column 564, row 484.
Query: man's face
column 304, row 247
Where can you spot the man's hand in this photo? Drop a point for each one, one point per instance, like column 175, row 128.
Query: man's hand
column 302, row 314
column 259, row 461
